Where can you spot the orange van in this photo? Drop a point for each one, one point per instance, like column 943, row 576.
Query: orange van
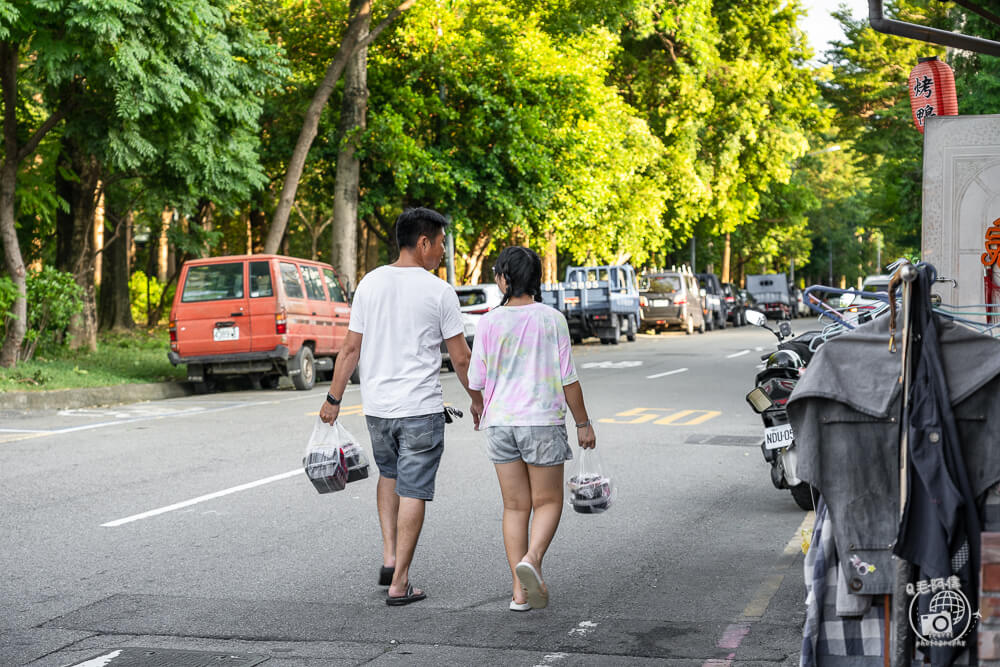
column 261, row 316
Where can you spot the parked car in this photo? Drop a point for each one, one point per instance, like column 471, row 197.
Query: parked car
column 735, row 306
column 474, row 301
column 599, row 301
column 714, row 300
column 800, row 307
column 260, row 316
column 670, row 298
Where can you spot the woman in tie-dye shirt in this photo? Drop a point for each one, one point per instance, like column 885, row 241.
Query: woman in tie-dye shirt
column 521, row 360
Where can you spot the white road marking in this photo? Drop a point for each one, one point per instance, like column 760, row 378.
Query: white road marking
column 583, row 629
column 101, row 660
column 611, row 364
column 759, row 349
column 737, row 354
column 660, row 375
column 201, row 499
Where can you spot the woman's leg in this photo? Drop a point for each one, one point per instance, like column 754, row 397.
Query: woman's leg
column 547, row 500
column 516, row 491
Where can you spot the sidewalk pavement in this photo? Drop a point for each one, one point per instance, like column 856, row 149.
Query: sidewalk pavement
column 66, row 399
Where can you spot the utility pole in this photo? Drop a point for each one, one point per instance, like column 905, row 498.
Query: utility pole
column 693, row 269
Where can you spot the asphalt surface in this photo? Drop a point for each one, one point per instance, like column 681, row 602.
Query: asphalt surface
column 188, row 524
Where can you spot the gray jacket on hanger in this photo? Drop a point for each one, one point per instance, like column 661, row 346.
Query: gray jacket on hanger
column 846, row 411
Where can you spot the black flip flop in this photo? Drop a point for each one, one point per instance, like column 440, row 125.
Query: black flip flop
column 404, row 599
column 385, row 575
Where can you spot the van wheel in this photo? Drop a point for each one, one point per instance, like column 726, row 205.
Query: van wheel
column 630, row 330
column 305, row 379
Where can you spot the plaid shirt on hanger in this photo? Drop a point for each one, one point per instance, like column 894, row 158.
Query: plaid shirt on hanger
column 828, row 638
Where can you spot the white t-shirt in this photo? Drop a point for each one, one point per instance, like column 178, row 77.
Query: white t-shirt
column 403, row 315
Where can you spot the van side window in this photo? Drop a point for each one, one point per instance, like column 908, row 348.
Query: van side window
column 260, row 279
column 213, row 282
column 314, row 285
column 290, row 281
column 333, row 286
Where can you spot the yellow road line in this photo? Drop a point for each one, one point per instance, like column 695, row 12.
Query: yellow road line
column 769, row 587
column 346, row 412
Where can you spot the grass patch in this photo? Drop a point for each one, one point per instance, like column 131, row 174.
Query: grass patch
column 131, row 358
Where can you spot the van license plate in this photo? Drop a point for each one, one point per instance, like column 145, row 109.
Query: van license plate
column 661, row 302
column 778, row 436
column 226, row 333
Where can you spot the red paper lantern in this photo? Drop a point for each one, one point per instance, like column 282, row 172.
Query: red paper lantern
column 932, row 91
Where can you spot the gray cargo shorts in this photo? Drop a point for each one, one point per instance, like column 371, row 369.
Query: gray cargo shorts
column 408, row 450
column 535, row 445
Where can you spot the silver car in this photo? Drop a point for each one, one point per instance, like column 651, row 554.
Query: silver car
column 474, row 301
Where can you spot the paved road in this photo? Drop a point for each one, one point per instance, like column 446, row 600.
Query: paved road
column 187, row 524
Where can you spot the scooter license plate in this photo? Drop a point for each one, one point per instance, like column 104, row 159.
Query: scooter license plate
column 226, row 333
column 776, row 437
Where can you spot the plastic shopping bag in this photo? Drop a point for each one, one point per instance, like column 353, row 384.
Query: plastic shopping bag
column 590, row 489
column 333, row 457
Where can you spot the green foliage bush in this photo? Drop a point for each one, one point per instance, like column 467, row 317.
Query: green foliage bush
column 53, row 299
column 137, row 285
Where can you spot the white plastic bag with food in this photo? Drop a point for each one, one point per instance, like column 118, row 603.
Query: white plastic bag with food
column 333, row 457
column 590, row 489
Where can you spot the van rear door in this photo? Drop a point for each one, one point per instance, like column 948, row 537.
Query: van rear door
column 340, row 307
column 322, row 312
column 264, row 307
column 212, row 313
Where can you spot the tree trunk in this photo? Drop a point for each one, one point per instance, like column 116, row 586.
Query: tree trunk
column 17, row 324
column 115, row 307
column 352, row 41
column 354, row 108
column 474, row 258
column 549, row 259
column 99, row 237
column 80, row 261
column 369, row 249
column 726, row 258
column 258, row 228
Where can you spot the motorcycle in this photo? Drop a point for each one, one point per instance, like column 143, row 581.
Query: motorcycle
column 773, row 386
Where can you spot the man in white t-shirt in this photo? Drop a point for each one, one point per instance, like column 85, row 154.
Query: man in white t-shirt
column 399, row 316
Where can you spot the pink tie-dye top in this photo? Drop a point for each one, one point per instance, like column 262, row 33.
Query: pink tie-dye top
column 521, row 361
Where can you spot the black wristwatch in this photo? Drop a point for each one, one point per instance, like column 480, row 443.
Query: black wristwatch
column 331, row 400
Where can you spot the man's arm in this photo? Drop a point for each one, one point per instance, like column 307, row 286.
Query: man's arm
column 347, row 361
column 460, row 354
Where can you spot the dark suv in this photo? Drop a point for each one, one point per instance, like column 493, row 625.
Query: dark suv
column 735, row 305
column 714, row 301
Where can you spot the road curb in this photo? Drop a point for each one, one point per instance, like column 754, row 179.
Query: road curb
column 65, row 399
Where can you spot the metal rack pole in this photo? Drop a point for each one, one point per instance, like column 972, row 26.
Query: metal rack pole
column 901, row 639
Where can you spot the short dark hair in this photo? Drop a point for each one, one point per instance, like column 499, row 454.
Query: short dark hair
column 522, row 269
column 416, row 222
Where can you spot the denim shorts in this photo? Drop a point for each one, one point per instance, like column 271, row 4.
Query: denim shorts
column 535, row 445
column 408, row 450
